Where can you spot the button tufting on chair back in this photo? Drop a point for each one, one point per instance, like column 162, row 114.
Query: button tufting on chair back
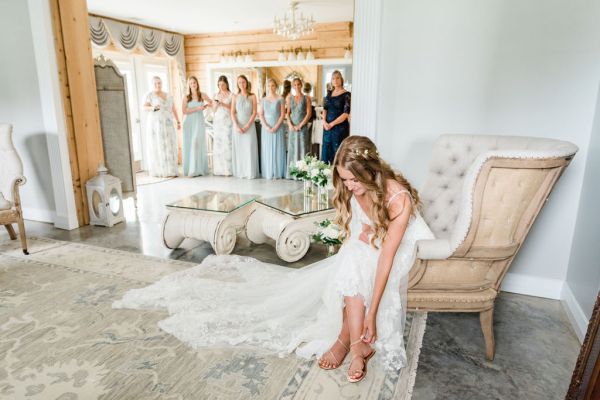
column 455, row 159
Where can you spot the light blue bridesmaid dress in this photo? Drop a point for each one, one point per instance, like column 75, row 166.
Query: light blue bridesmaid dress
column 272, row 145
column 244, row 146
column 195, row 159
column 298, row 143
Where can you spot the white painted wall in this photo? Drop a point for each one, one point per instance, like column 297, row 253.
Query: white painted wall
column 497, row 67
column 30, row 99
column 20, row 105
column 583, row 277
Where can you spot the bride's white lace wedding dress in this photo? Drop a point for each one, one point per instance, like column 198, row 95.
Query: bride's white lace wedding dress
column 233, row 300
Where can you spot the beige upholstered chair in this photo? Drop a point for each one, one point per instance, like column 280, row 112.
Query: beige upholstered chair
column 481, row 197
column 11, row 177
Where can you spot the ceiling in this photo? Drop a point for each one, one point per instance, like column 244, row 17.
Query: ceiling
column 201, row 16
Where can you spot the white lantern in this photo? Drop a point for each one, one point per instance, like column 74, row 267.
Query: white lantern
column 105, row 198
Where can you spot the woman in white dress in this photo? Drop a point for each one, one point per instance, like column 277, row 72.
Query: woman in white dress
column 222, row 129
column 352, row 302
column 160, row 133
column 244, row 142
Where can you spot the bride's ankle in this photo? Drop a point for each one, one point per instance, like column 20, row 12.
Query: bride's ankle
column 360, row 348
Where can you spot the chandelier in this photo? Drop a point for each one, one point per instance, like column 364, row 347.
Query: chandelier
column 291, row 25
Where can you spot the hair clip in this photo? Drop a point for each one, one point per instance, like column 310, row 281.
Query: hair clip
column 365, row 153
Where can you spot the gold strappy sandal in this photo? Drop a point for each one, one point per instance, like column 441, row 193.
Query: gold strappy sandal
column 338, row 363
column 365, row 361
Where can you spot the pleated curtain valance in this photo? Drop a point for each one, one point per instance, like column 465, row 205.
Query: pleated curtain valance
column 128, row 37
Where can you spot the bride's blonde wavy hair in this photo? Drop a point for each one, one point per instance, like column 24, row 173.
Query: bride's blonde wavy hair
column 358, row 154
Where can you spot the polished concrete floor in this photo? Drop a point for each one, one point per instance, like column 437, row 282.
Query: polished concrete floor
column 536, row 348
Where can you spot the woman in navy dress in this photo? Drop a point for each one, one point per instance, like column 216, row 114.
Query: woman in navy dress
column 336, row 111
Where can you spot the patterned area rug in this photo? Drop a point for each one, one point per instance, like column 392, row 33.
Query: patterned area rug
column 60, row 339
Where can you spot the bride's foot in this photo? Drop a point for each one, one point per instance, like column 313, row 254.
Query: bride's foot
column 335, row 356
column 362, row 353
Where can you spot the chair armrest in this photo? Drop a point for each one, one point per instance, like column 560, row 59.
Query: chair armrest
column 19, row 181
column 434, row 249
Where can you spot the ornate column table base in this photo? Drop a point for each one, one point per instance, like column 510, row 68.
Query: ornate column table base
column 289, row 220
column 214, row 217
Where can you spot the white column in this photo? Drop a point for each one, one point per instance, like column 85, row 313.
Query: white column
column 365, row 66
column 52, row 109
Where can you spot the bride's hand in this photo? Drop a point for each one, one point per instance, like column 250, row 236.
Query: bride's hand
column 369, row 334
column 366, row 232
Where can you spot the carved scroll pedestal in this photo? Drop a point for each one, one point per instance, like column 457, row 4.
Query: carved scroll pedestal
column 291, row 234
column 218, row 228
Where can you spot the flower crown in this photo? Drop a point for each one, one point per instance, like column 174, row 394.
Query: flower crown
column 365, row 153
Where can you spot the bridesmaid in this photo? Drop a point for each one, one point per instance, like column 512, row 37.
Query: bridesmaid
column 336, row 111
column 222, row 129
column 272, row 146
column 244, row 143
column 161, row 134
column 195, row 157
column 298, row 112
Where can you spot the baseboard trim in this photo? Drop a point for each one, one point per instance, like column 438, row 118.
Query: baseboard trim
column 574, row 311
column 533, row 286
column 36, row 214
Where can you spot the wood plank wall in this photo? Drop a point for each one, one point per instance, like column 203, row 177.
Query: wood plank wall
column 328, row 41
column 78, row 90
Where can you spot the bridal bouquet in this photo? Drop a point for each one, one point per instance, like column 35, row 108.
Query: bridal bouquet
column 329, row 234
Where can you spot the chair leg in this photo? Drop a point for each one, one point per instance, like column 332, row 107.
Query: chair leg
column 22, row 235
column 486, row 318
column 11, row 231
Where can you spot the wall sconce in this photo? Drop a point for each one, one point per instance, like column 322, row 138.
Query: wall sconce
column 348, row 52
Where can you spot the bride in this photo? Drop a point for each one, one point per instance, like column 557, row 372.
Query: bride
column 353, row 302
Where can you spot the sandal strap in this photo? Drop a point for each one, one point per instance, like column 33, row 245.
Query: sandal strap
column 355, row 342
column 357, row 370
column 334, row 357
column 342, row 343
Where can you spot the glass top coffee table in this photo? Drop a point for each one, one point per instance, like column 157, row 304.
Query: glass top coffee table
column 215, row 217
column 297, row 204
column 213, row 201
column 289, row 220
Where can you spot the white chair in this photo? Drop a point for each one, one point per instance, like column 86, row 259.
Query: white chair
column 11, row 177
column 481, row 196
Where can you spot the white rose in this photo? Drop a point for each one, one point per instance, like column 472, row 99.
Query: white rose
column 314, row 172
column 327, row 172
column 300, row 164
column 331, row 233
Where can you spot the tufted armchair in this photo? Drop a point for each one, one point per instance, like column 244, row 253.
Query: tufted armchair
column 11, row 177
column 480, row 198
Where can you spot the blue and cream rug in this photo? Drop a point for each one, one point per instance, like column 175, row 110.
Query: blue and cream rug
column 60, row 339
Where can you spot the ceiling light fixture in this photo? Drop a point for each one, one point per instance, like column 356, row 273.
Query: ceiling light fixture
column 293, row 26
